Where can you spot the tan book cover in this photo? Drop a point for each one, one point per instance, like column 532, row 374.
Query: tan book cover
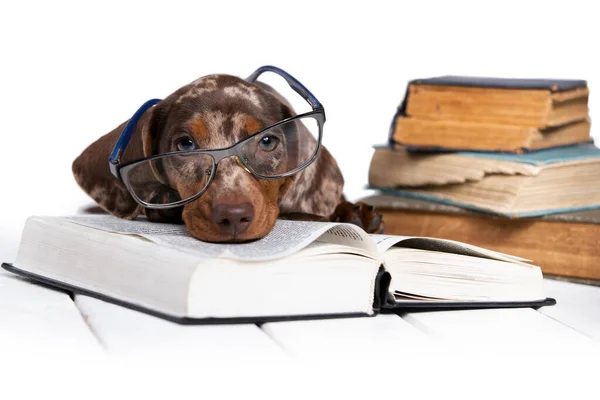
column 566, row 245
column 492, row 114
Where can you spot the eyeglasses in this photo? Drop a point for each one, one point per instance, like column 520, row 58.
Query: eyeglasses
column 275, row 152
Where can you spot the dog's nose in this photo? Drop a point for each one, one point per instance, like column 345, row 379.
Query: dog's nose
column 233, row 219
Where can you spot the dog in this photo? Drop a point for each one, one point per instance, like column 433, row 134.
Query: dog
column 217, row 111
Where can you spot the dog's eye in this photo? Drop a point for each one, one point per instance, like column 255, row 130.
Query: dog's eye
column 185, row 144
column 268, row 143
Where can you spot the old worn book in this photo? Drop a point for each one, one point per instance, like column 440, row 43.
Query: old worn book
column 516, row 185
column 299, row 270
column 492, row 114
column 527, row 102
column 485, row 136
column 565, row 245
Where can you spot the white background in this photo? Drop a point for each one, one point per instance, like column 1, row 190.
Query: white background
column 70, row 72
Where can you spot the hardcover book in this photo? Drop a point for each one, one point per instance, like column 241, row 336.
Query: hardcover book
column 449, row 135
column 492, row 114
column 516, row 185
column 565, row 245
column 299, row 270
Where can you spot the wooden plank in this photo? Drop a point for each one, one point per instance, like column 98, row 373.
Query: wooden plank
column 577, row 306
column 37, row 320
column 523, row 327
column 127, row 332
column 381, row 336
column 521, row 343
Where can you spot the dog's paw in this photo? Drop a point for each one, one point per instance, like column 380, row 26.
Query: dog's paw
column 360, row 214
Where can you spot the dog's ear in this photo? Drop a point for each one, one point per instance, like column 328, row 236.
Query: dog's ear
column 316, row 190
column 91, row 169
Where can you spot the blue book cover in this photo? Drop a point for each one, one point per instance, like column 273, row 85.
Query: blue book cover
column 576, row 152
column 582, row 151
column 467, row 206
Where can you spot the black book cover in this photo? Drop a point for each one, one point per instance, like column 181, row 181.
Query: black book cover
column 553, row 85
column 384, row 303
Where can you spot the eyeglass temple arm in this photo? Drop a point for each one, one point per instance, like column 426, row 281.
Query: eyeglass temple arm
column 115, row 156
column 293, row 82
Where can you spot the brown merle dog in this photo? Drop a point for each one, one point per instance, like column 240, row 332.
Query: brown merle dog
column 215, row 112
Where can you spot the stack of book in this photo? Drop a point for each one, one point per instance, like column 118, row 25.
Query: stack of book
column 507, row 164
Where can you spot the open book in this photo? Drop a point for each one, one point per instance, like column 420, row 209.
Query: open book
column 300, row 269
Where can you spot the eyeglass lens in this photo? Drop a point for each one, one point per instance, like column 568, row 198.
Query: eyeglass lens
column 283, row 149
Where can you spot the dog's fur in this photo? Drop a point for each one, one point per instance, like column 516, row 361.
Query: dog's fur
column 218, row 111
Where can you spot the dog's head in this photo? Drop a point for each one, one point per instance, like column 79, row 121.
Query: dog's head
column 213, row 112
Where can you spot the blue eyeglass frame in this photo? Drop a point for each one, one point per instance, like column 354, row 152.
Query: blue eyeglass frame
column 318, row 113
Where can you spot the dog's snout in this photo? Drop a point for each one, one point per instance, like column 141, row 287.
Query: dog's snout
column 233, row 219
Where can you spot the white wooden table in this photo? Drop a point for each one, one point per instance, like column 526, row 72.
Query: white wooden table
column 39, row 324
column 48, row 335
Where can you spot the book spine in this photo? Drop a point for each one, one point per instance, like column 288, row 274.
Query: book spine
column 400, row 112
column 382, row 290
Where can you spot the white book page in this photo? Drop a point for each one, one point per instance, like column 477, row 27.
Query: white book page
column 286, row 237
column 385, row 242
column 351, row 236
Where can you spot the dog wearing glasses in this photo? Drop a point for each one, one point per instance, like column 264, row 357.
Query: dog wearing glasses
column 279, row 172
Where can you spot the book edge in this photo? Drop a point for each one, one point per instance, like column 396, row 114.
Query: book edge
column 435, row 199
column 426, row 305
column 65, row 287
column 386, row 306
column 433, row 207
column 552, row 85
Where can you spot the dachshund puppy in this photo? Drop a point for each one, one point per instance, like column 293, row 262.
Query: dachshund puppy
column 215, row 112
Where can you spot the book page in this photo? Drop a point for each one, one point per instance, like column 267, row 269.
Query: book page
column 352, row 236
column 385, row 242
column 286, row 237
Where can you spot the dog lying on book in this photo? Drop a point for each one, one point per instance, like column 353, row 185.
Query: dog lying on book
column 214, row 112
